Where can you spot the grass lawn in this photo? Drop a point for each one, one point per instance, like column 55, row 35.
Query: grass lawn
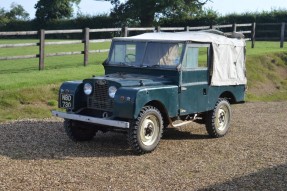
column 267, row 72
column 26, row 92
column 24, row 65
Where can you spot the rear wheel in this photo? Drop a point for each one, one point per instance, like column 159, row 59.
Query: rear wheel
column 218, row 120
column 78, row 131
column 146, row 131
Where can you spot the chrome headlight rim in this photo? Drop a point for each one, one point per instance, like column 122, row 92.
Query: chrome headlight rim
column 112, row 91
column 88, row 88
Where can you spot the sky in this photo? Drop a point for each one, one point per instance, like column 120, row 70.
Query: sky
column 223, row 7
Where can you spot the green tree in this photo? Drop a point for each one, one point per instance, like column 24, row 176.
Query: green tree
column 16, row 13
column 3, row 19
column 145, row 12
column 48, row 10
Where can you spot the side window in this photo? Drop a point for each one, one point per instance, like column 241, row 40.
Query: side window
column 196, row 57
column 203, row 57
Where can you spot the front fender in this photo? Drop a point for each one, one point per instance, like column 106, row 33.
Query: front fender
column 124, row 102
column 167, row 96
column 74, row 88
column 129, row 101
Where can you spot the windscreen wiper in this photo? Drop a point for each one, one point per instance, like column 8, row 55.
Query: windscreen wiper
column 152, row 66
column 126, row 64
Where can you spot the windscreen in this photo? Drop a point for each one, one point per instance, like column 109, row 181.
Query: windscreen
column 127, row 53
column 162, row 54
column 146, row 54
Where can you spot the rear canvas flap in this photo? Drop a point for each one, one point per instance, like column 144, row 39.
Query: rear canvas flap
column 228, row 65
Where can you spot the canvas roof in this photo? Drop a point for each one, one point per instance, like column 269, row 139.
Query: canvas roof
column 228, row 53
column 198, row 36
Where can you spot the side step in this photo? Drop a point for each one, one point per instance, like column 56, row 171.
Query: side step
column 176, row 124
column 179, row 123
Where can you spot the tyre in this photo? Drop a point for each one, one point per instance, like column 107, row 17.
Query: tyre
column 78, row 131
column 146, row 131
column 218, row 120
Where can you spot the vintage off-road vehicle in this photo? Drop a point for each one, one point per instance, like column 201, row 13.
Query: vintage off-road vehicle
column 152, row 81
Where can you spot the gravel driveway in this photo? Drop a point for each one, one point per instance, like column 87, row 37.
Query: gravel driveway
column 37, row 155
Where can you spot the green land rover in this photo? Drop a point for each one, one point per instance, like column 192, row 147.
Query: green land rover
column 155, row 81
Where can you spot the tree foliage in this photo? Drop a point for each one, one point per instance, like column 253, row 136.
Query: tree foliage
column 49, row 10
column 145, row 12
column 16, row 13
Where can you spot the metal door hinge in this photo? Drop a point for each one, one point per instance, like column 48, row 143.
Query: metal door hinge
column 183, row 88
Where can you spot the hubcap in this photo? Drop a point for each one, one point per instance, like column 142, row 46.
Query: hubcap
column 149, row 130
column 222, row 118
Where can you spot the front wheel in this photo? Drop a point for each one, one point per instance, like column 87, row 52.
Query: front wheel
column 218, row 120
column 78, row 131
column 146, row 131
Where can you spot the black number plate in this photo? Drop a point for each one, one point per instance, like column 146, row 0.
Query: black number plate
column 67, row 100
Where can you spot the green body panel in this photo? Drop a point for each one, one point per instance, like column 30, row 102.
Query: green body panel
column 74, row 88
column 194, row 91
column 195, row 95
column 129, row 101
column 171, row 75
column 198, row 96
column 124, row 107
column 238, row 93
column 165, row 95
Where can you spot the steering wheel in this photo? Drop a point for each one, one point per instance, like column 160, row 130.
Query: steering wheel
column 127, row 57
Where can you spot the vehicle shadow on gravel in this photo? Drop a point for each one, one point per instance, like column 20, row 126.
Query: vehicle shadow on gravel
column 48, row 140
column 268, row 179
column 176, row 134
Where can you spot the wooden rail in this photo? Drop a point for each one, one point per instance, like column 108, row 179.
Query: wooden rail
column 18, row 57
column 42, row 44
column 249, row 29
column 171, row 28
column 18, row 33
column 17, row 45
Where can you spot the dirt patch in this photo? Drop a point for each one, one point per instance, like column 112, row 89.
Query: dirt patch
column 266, row 88
column 273, row 72
column 37, row 155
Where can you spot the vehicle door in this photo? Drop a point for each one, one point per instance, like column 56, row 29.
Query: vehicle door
column 194, row 79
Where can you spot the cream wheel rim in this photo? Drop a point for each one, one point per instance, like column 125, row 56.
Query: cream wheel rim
column 149, row 130
column 222, row 118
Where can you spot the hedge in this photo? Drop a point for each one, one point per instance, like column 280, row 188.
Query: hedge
column 104, row 21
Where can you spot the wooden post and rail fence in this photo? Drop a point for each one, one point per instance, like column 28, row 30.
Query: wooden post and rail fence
column 250, row 29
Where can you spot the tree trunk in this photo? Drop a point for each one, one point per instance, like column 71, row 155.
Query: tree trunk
column 147, row 21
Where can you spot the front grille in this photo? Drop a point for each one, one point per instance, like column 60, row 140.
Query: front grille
column 100, row 98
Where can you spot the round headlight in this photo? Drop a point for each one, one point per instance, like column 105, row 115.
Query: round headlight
column 88, row 89
column 112, row 91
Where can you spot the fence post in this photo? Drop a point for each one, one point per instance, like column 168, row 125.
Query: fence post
column 126, row 31
column 86, row 46
column 158, row 29
column 282, row 38
column 253, row 33
column 187, row 28
column 42, row 49
column 234, row 27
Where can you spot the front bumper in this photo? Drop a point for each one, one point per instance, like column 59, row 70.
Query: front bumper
column 94, row 120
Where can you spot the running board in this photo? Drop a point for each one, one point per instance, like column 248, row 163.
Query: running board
column 181, row 124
